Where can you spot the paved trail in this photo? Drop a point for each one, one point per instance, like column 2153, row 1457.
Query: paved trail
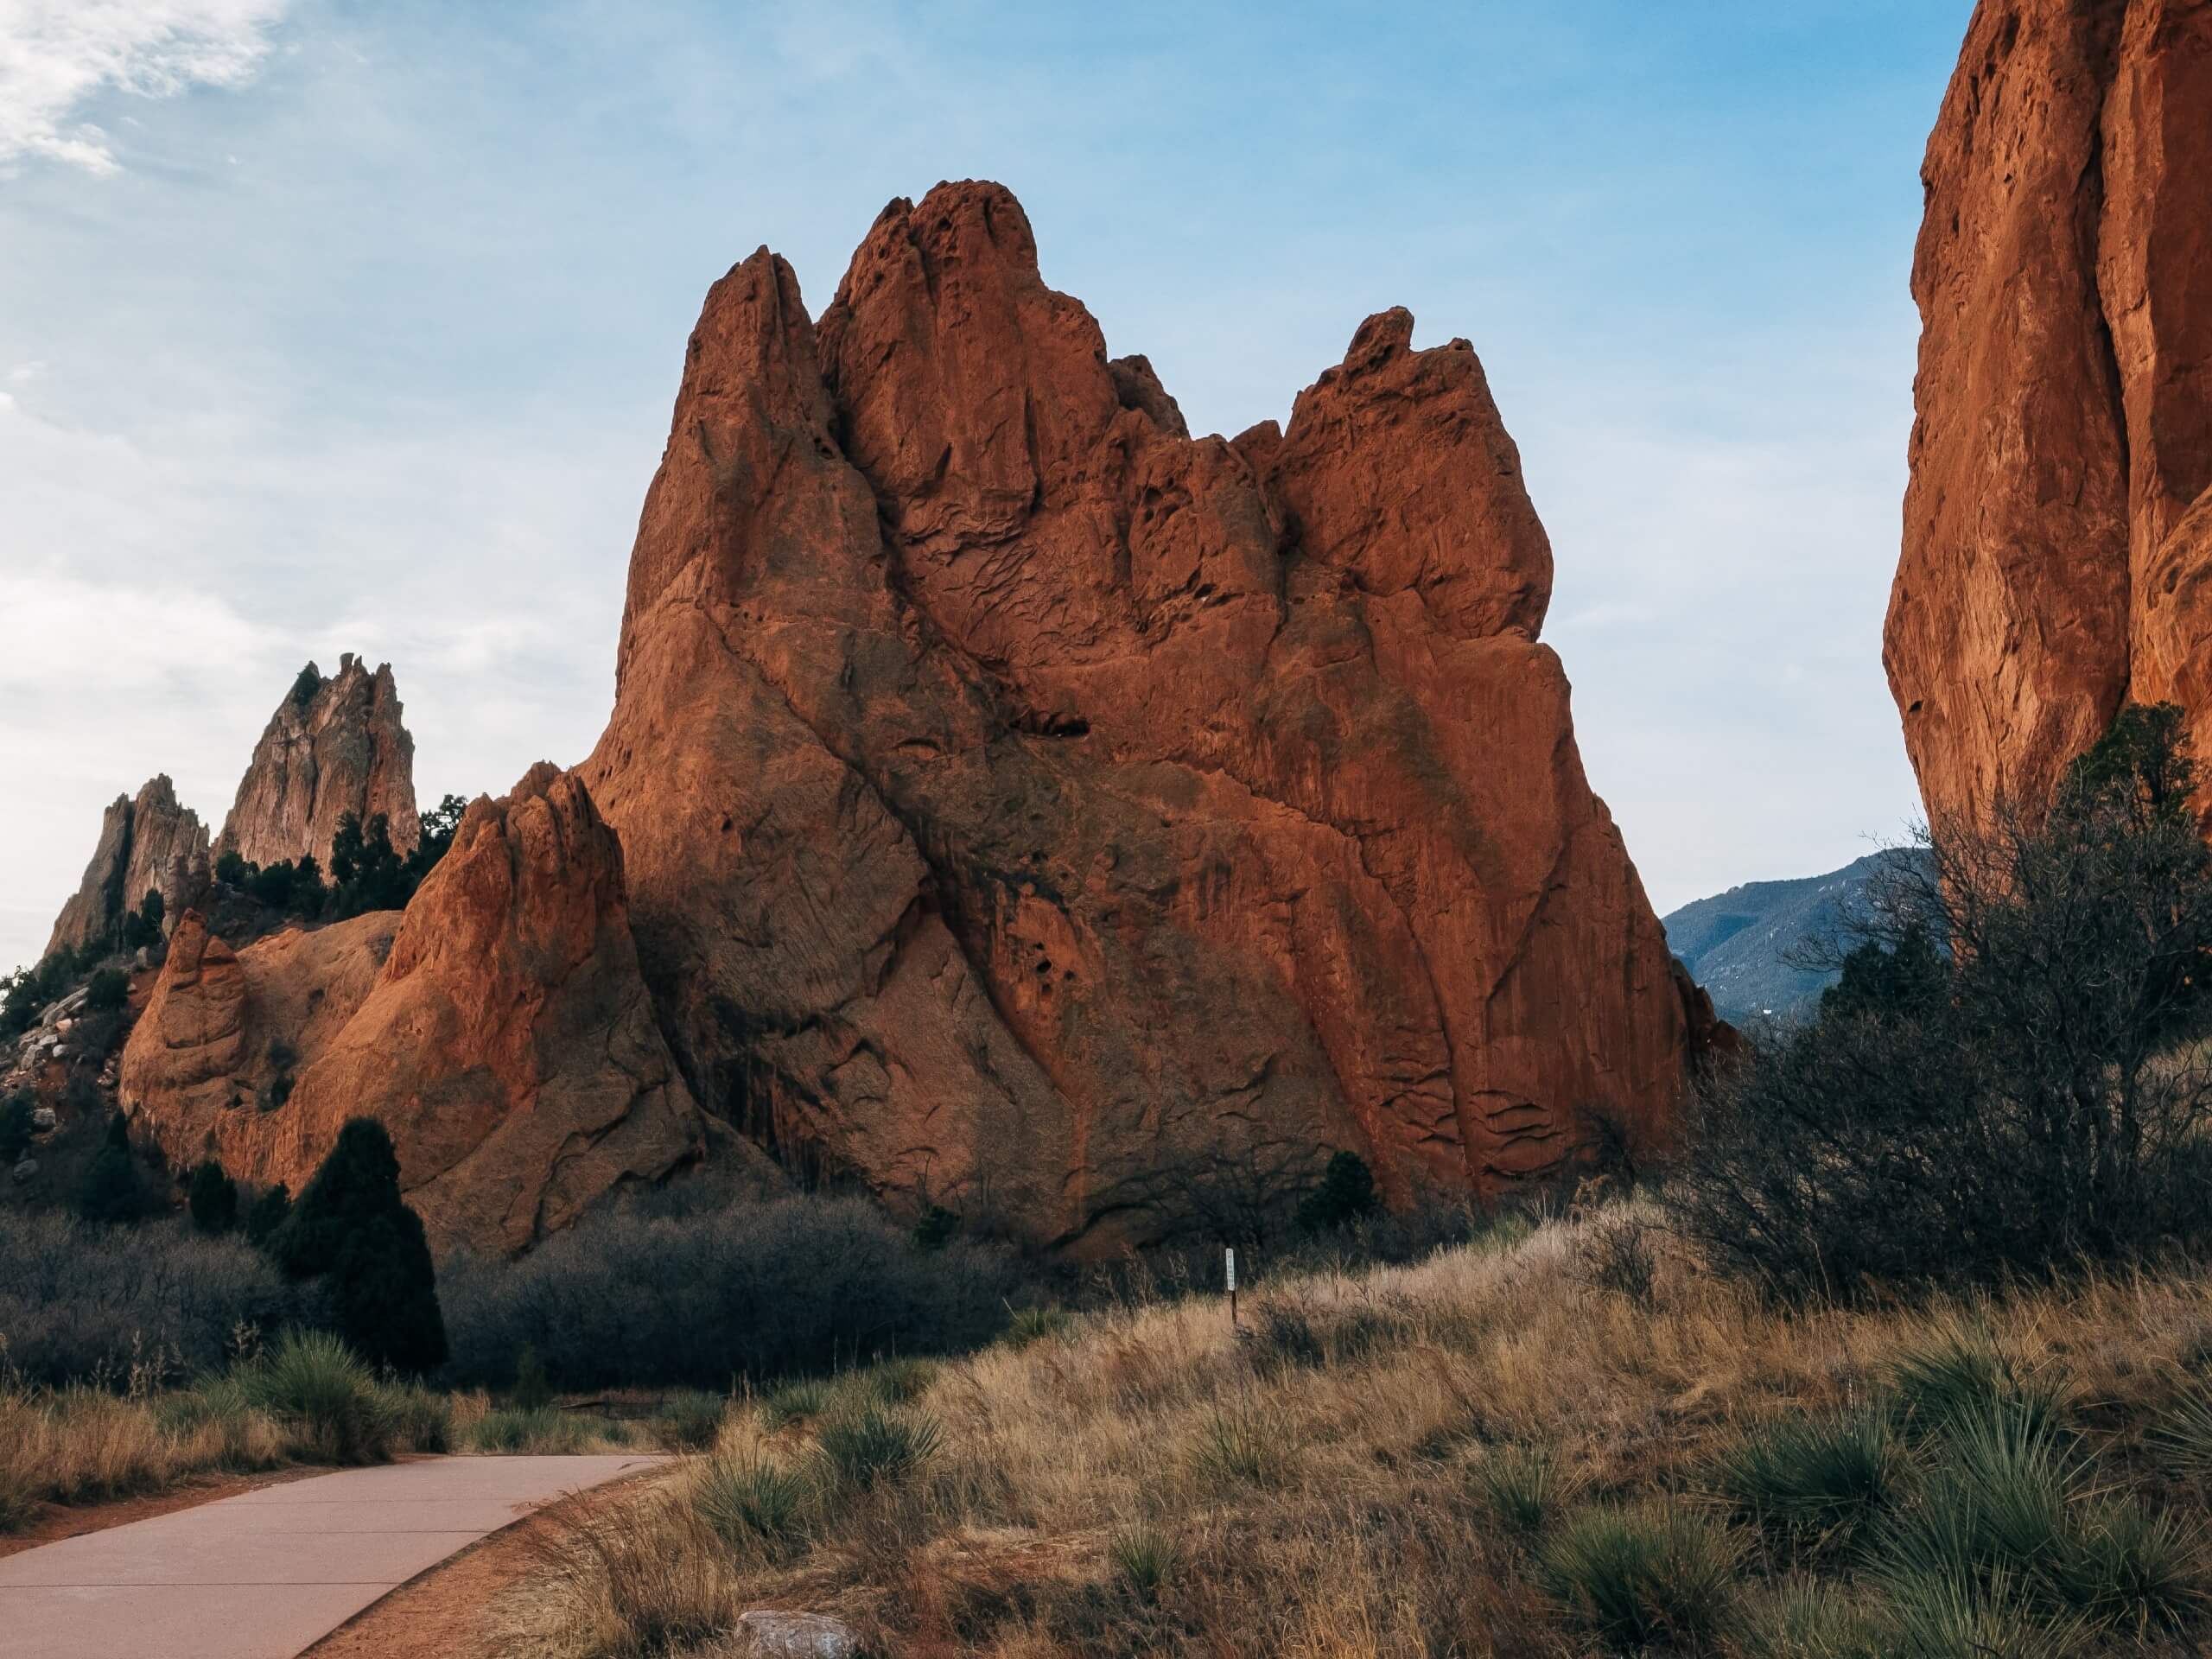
column 266, row 1574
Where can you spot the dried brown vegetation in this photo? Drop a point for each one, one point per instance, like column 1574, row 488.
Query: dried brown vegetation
column 1489, row 1452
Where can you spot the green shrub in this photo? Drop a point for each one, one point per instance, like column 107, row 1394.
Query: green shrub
column 1031, row 1325
column 1522, row 1485
column 795, row 1402
column 544, row 1432
column 1936, row 1617
column 351, row 1231
column 689, row 1419
column 533, row 1390
column 935, row 1228
column 16, row 1126
column 2127, row 1566
column 1144, row 1558
column 1641, row 1577
column 873, row 1448
column 212, row 1198
column 113, row 1191
column 419, row 1419
column 267, row 1213
column 1816, row 1476
column 898, row 1381
column 312, row 1379
column 750, row 1502
column 108, row 988
column 1995, row 1505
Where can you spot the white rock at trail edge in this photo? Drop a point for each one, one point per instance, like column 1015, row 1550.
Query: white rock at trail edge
column 765, row 1633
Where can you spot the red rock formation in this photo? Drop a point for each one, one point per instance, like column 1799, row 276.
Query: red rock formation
column 2064, row 280
column 1028, row 805
column 149, row 843
column 333, row 747
column 501, row 1033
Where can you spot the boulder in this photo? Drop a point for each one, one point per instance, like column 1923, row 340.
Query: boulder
column 1031, row 807
column 334, row 746
column 148, row 843
column 2054, row 546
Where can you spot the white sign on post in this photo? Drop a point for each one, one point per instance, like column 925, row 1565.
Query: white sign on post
column 1230, row 1267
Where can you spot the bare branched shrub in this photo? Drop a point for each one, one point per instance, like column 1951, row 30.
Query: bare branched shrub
column 759, row 1291
column 2009, row 1084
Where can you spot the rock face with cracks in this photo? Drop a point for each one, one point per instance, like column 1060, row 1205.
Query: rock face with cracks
column 499, row 1029
column 1031, row 807
column 333, row 746
column 2058, row 524
column 149, row 843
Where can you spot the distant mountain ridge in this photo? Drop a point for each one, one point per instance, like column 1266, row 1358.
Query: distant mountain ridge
column 1739, row 943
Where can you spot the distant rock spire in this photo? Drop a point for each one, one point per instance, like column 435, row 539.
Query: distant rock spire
column 334, row 745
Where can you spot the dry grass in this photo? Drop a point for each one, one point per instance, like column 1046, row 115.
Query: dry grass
column 1325, row 1483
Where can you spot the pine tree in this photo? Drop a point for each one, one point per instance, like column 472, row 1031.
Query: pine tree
column 213, row 1198
column 1346, row 1192
column 113, row 1191
column 351, row 1229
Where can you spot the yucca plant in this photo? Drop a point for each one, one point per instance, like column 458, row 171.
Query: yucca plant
column 1144, row 1558
column 1640, row 1578
column 1523, row 1486
column 794, row 1403
column 1817, row 1477
column 898, row 1381
column 1238, row 1446
column 1960, row 1374
column 750, row 1502
column 1808, row 1619
column 2126, row 1564
column 873, row 1448
column 313, row 1381
column 1996, row 1505
column 2183, row 1435
column 1033, row 1324
column 1940, row 1615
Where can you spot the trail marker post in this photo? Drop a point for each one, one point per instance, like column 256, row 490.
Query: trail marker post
column 1229, row 1272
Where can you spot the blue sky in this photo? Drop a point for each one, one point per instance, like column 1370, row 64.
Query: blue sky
column 329, row 328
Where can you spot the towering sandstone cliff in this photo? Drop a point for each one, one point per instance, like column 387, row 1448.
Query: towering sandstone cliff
column 1014, row 802
column 1029, row 804
column 148, row 843
column 334, row 745
column 2058, row 526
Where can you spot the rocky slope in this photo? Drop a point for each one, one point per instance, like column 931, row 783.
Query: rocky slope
column 334, row 745
column 1751, row 947
column 499, row 1028
column 148, row 843
column 2058, row 528
column 1032, row 806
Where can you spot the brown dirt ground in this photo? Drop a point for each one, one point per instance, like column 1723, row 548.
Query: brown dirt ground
column 441, row 1614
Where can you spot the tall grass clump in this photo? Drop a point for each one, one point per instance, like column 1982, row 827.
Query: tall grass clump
column 1523, row 1486
column 873, row 1448
column 750, row 1502
column 315, row 1385
column 1641, row 1577
column 1816, row 1476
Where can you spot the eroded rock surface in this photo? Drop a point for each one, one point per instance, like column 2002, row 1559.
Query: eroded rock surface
column 148, row 843
column 499, row 1029
column 2052, row 568
column 334, row 745
column 1031, row 806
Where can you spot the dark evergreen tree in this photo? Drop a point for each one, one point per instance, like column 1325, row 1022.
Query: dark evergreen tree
column 113, row 1191
column 1882, row 978
column 16, row 1129
column 267, row 1214
column 351, row 1231
column 107, row 989
column 1346, row 1193
column 213, row 1198
column 143, row 926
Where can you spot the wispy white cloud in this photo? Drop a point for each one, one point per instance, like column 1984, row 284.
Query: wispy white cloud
column 56, row 55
